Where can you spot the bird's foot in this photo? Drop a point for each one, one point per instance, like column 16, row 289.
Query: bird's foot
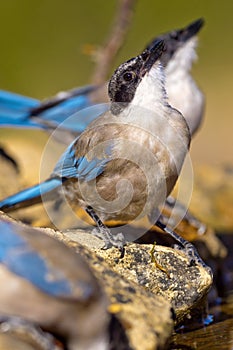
column 192, row 254
column 109, row 239
column 105, row 234
column 185, row 246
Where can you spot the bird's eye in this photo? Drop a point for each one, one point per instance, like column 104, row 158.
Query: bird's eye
column 128, row 76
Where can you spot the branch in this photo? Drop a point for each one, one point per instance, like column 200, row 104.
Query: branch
column 106, row 54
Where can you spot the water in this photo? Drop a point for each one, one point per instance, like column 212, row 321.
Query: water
column 218, row 334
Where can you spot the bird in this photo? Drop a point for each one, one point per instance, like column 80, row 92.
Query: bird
column 125, row 164
column 45, row 283
column 182, row 90
column 183, row 93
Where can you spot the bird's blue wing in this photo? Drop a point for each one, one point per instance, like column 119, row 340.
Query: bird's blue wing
column 19, row 257
column 69, row 166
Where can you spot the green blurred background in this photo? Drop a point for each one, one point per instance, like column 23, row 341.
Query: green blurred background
column 42, row 52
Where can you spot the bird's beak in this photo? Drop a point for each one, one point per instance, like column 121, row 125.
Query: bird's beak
column 151, row 55
column 191, row 30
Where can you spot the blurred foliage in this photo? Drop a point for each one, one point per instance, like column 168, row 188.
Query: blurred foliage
column 43, row 44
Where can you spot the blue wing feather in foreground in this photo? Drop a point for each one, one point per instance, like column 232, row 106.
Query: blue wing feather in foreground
column 20, row 258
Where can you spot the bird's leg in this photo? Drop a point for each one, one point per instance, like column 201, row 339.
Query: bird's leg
column 110, row 240
column 189, row 248
column 171, row 202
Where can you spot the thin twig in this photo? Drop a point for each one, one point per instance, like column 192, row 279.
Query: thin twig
column 107, row 52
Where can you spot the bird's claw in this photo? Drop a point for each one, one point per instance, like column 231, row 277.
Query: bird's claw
column 193, row 256
column 109, row 239
column 117, row 241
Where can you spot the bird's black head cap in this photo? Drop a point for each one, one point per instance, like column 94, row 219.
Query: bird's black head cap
column 176, row 38
column 127, row 77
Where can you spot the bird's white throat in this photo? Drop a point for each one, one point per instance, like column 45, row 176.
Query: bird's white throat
column 150, row 93
column 183, row 58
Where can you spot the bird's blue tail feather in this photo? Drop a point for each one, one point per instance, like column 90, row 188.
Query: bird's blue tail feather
column 15, row 110
column 25, row 112
column 30, row 195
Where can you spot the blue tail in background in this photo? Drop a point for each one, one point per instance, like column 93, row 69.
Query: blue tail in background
column 15, row 110
column 25, row 112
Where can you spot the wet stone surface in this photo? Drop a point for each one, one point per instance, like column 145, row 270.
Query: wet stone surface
column 146, row 318
column 161, row 270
